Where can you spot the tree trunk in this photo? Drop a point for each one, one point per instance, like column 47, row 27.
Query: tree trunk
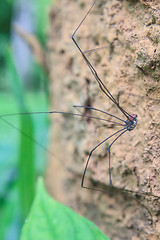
column 129, row 66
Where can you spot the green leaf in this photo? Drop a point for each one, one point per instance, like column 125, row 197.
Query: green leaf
column 51, row 220
column 26, row 146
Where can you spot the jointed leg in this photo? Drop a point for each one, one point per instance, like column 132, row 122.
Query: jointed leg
column 110, row 179
column 90, row 154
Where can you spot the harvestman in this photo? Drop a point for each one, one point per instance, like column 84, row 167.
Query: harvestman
column 127, row 125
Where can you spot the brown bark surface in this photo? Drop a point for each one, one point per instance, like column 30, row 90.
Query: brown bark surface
column 129, row 66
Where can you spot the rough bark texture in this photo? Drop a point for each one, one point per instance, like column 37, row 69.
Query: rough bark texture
column 129, row 65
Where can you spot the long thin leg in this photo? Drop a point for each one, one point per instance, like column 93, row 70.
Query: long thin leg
column 95, row 49
column 96, row 109
column 2, row 117
column 59, row 112
column 90, row 154
column 124, row 190
column 26, row 135
column 84, row 17
column 116, row 123
column 110, row 179
column 101, row 84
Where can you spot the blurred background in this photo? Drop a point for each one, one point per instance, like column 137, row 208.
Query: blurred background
column 23, row 88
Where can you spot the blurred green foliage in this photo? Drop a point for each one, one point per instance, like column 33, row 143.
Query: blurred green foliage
column 26, row 177
column 6, row 11
column 21, row 158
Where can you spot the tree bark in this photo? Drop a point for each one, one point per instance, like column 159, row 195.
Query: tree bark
column 129, row 66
